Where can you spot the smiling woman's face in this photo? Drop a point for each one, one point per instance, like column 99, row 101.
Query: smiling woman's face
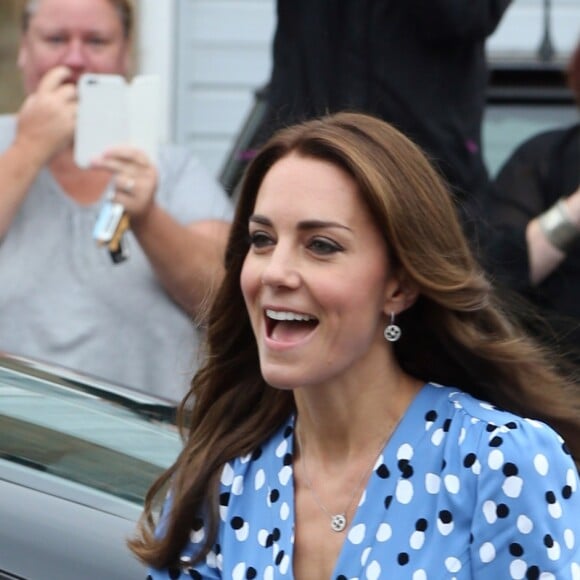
column 83, row 35
column 316, row 280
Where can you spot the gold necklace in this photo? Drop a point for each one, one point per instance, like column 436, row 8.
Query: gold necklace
column 338, row 521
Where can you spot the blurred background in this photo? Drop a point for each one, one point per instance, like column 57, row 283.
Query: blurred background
column 214, row 56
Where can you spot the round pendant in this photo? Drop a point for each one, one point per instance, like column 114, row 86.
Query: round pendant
column 338, row 522
column 392, row 333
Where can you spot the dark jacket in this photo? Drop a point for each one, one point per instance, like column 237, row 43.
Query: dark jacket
column 419, row 64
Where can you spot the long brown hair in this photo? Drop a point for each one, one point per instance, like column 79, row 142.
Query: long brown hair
column 457, row 333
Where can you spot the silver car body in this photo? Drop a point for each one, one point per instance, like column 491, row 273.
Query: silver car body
column 76, row 458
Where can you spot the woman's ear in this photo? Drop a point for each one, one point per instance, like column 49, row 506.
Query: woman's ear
column 401, row 293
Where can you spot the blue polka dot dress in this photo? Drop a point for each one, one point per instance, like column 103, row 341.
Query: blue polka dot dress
column 462, row 490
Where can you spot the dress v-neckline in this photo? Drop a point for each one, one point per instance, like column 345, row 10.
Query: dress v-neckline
column 393, row 453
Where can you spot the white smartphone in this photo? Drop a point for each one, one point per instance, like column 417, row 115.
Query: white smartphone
column 113, row 112
column 144, row 104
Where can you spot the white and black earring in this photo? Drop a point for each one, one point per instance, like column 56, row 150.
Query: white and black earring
column 392, row 330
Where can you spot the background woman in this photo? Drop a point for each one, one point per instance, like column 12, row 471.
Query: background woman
column 63, row 299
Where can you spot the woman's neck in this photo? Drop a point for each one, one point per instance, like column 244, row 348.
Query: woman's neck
column 85, row 186
column 338, row 421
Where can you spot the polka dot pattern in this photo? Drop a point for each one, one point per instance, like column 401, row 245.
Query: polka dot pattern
column 461, row 491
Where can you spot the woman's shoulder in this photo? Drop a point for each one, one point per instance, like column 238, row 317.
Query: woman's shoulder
column 189, row 186
column 500, row 435
column 545, row 142
column 477, row 410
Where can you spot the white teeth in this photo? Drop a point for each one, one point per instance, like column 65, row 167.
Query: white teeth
column 278, row 315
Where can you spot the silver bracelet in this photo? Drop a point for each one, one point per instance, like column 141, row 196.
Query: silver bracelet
column 558, row 226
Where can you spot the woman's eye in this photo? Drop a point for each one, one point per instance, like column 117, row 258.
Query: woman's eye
column 260, row 239
column 324, row 246
column 98, row 41
column 56, row 39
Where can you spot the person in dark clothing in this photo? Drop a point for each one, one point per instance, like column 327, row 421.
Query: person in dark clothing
column 418, row 65
column 534, row 216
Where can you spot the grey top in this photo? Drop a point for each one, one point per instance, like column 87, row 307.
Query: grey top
column 63, row 300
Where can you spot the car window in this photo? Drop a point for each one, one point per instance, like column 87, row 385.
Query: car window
column 82, row 437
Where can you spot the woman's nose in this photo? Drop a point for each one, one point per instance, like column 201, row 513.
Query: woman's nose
column 281, row 270
column 74, row 56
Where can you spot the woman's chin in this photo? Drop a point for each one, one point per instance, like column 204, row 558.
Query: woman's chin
column 280, row 378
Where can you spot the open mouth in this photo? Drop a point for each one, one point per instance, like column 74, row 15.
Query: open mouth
column 287, row 326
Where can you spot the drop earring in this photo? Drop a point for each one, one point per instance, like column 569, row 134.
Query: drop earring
column 392, row 331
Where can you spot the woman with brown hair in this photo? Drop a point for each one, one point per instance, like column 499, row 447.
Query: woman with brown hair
column 319, row 442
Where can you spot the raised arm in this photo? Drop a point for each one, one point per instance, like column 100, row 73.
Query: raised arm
column 45, row 126
column 187, row 256
column 546, row 248
column 541, row 170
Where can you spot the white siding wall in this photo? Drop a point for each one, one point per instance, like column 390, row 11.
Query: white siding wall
column 213, row 55
column 224, row 56
column 156, row 50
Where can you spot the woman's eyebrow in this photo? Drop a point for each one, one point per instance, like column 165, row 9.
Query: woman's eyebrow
column 319, row 224
column 303, row 225
column 260, row 219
